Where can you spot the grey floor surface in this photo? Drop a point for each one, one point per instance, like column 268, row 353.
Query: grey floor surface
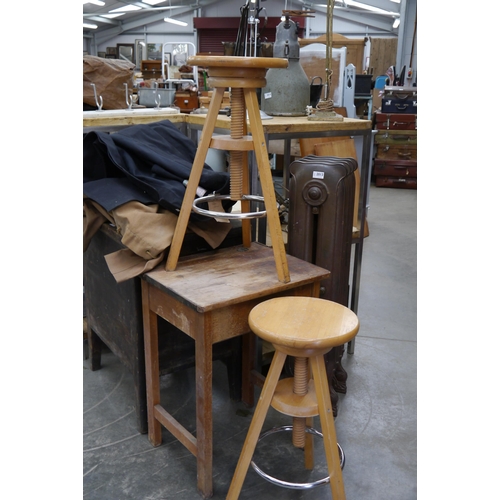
column 377, row 417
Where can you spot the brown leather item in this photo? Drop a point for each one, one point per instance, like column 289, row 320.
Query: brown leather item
column 396, row 182
column 395, row 163
column 396, row 168
column 390, row 152
column 396, row 137
column 186, row 101
column 395, row 121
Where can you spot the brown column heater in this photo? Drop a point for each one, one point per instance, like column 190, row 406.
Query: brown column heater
column 321, row 212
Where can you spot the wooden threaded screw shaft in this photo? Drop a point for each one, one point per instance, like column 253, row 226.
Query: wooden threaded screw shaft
column 300, row 383
column 238, row 112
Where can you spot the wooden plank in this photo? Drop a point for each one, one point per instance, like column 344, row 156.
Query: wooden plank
column 382, row 54
column 175, row 428
column 127, row 118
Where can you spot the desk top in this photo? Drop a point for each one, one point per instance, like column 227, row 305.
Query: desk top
column 275, row 125
column 217, row 279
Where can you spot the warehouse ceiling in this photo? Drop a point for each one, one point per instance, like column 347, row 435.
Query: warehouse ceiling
column 114, row 17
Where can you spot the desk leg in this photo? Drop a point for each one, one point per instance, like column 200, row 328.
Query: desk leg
column 150, row 325
column 204, row 431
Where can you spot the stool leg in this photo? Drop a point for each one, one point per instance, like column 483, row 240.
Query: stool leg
column 309, row 447
column 256, row 425
column 328, row 426
column 194, row 179
column 266, row 181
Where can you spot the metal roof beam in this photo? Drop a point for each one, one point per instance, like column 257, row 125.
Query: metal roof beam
column 103, row 35
column 381, row 22
column 99, row 19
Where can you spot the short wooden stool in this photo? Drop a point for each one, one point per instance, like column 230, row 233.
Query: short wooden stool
column 306, row 328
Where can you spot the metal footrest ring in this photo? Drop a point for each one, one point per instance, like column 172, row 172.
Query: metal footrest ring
column 225, row 215
column 286, row 484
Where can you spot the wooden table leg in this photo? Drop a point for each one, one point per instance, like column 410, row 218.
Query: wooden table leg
column 152, row 368
column 204, row 426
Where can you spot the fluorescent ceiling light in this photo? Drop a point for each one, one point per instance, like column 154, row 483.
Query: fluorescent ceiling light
column 396, row 22
column 175, row 21
column 112, row 16
column 95, row 2
column 90, row 26
column 126, row 8
column 396, row 1
column 365, row 6
column 153, row 2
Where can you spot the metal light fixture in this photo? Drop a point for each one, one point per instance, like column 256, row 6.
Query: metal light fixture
column 173, row 21
column 90, row 26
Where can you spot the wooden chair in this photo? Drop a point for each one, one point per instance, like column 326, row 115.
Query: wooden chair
column 306, row 328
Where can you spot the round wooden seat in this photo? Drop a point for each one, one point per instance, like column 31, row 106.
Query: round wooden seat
column 303, row 324
column 234, row 62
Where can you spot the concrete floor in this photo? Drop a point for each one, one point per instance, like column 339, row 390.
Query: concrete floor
column 376, row 422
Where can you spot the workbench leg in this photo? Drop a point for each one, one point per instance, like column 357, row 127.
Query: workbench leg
column 95, row 348
column 150, row 326
column 204, row 427
column 247, row 365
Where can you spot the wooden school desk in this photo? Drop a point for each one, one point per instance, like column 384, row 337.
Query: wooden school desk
column 209, row 297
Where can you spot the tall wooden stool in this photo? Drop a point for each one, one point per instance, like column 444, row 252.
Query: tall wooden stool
column 306, row 328
column 243, row 75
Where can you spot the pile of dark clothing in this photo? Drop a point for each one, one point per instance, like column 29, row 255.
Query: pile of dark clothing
column 135, row 179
